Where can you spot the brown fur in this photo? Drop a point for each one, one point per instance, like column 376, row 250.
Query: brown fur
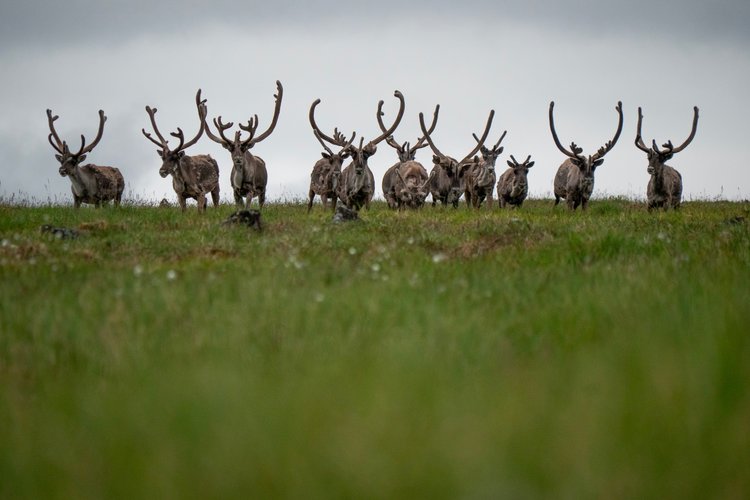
column 325, row 178
column 512, row 188
column 408, row 194
column 194, row 177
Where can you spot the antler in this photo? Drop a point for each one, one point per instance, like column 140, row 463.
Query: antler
column 278, row 96
column 494, row 148
column 427, row 133
column 338, row 138
column 575, row 154
column 480, row 142
column 610, row 144
column 638, row 137
column 87, row 149
column 421, row 142
column 400, row 115
column 692, row 133
column 515, row 162
column 60, row 146
column 151, row 112
column 221, row 127
column 389, row 140
column 202, row 111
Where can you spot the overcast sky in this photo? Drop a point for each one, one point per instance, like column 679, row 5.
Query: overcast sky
column 470, row 56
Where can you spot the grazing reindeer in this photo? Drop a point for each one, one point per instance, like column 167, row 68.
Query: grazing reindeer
column 574, row 180
column 249, row 175
column 445, row 178
column 192, row 176
column 480, row 177
column 357, row 184
column 326, row 173
column 405, row 183
column 90, row 183
column 513, row 187
column 665, row 186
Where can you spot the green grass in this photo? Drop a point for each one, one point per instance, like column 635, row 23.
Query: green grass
column 441, row 353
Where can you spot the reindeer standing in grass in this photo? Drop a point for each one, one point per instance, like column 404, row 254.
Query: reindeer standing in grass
column 665, row 186
column 326, row 173
column 574, row 180
column 480, row 177
column 192, row 176
column 249, row 175
column 90, row 183
column 513, row 186
column 405, row 183
column 357, row 184
column 445, row 178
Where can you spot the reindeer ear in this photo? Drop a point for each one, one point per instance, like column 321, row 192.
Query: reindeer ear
column 500, row 150
column 530, row 164
column 181, row 154
column 597, row 163
column 58, row 158
column 325, row 155
column 81, row 158
column 435, row 159
column 510, row 164
column 228, row 147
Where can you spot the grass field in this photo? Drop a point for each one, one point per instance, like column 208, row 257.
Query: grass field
column 531, row 353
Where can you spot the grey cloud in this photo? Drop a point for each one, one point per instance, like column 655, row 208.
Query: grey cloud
column 51, row 22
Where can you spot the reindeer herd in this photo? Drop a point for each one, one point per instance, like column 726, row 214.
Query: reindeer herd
column 405, row 185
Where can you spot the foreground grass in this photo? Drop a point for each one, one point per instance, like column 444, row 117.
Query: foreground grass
column 441, row 353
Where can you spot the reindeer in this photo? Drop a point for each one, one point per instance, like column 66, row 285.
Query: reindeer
column 357, row 184
column 512, row 188
column 249, row 175
column 90, row 183
column 480, row 177
column 574, row 180
column 192, row 176
column 665, row 186
column 405, row 183
column 445, row 177
column 326, row 173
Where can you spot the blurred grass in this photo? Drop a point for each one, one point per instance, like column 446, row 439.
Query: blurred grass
column 441, row 353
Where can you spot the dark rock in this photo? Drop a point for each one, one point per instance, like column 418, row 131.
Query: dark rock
column 344, row 214
column 249, row 218
column 61, row 233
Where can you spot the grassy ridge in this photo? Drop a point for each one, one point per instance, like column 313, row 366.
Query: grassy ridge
column 445, row 353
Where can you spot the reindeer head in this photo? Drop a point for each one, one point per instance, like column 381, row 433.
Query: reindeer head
column 239, row 147
column 656, row 157
column 586, row 164
column 171, row 157
column 520, row 172
column 69, row 161
column 489, row 156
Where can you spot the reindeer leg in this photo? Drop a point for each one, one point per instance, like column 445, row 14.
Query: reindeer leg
column 215, row 197
column 238, row 198
column 262, row 199
column 182, row 202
